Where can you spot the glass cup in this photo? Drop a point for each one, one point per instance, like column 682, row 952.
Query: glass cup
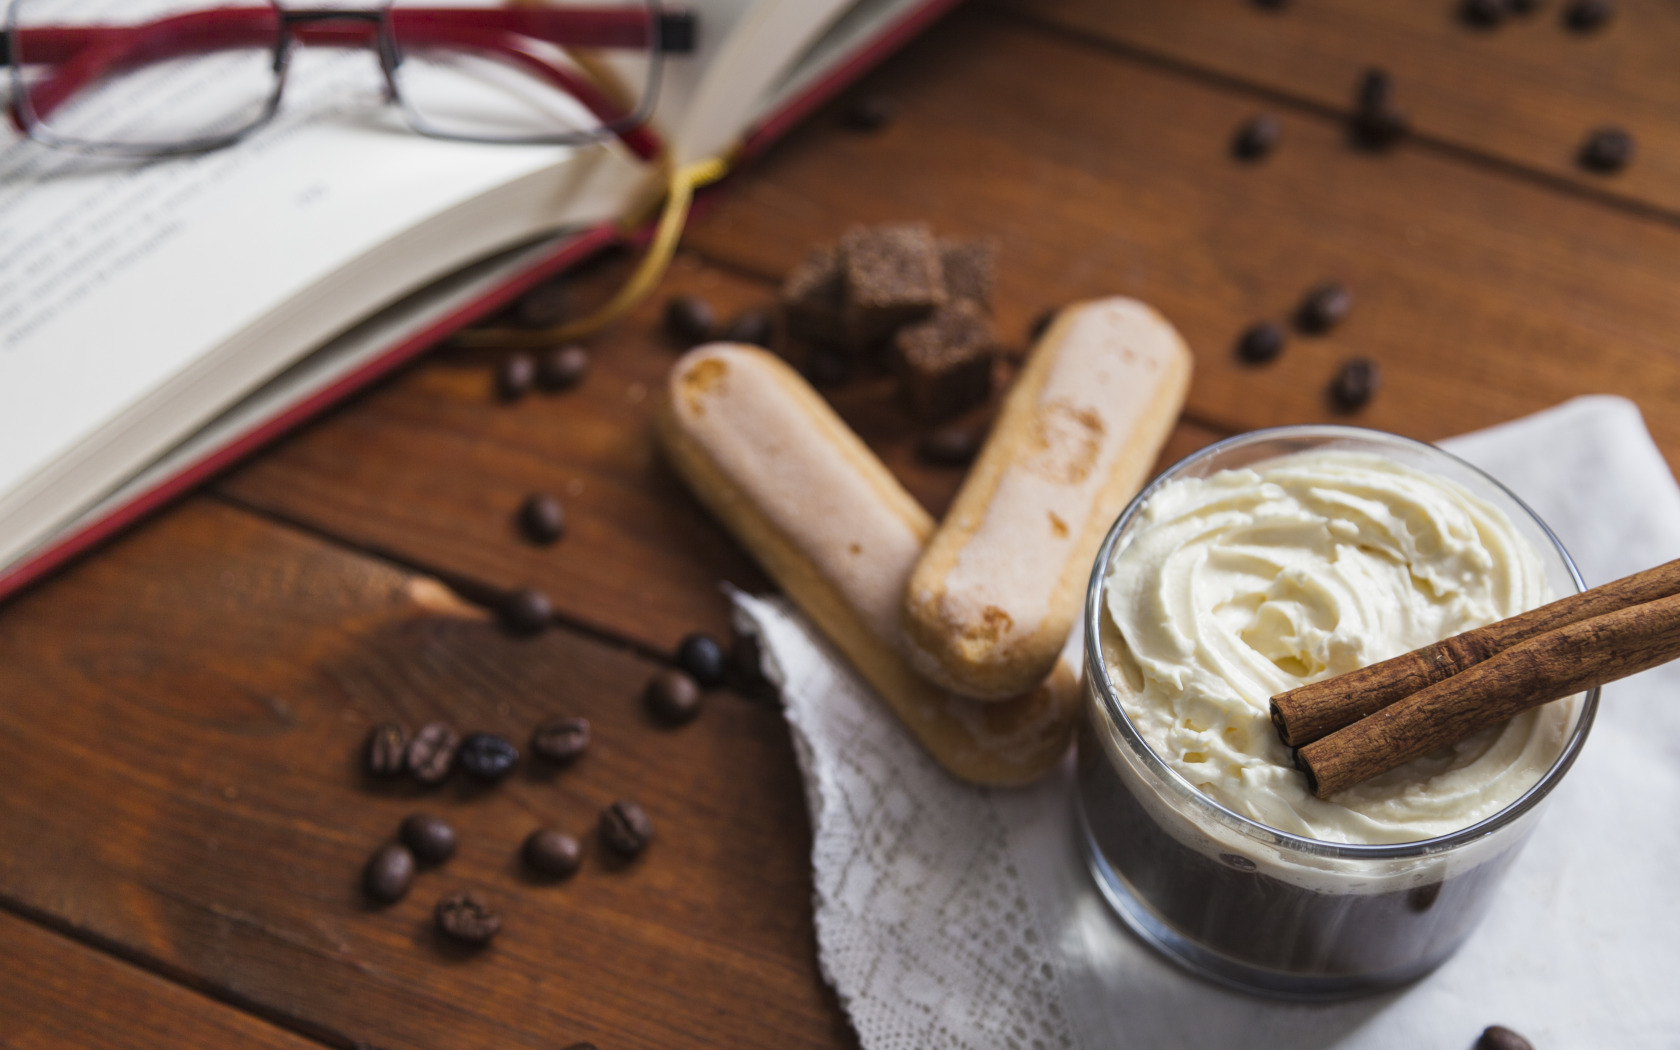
column 1259, row 909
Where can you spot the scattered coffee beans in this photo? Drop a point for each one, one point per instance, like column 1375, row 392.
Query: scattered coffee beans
column 515, row 376
column 1262, row 342
column 673, row 697
column 1256, row 137
column 1483, row 14
column 1585, row 16
column 466, row 917
column 1355, row 383
column 552, row 852
column 541, row 518
column 385, row 747
column 526, row 610
column 389, row 873
column 1498, row 1037
column 487, row 756
column 431, row 753
column 428, row 837
column 869, row 113
column 749, row 326
column 1324, row 307
column 561, row 739
column 625, row 828
column 562, row 367
column 702, row 657
column 689, row 319
column 953, row 445
column 1606, row 150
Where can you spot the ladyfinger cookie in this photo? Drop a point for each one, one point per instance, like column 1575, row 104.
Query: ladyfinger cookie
column 835, row 529
column 991, row 601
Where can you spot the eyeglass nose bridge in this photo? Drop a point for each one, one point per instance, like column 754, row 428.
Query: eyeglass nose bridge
column 294, row 28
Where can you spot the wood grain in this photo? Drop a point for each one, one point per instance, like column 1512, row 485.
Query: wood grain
column 1480, row 297
column 56, row 993
column 431, row 468
column 181, row 745
column 1525, row 93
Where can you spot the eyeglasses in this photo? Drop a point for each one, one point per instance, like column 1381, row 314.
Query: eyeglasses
column 148, row 78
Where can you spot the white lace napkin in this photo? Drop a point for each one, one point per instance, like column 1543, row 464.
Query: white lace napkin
column 950, row 916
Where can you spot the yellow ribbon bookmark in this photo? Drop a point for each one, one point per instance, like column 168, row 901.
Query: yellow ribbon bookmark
column 679, row 195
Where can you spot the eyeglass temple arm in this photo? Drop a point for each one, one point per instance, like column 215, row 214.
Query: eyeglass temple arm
column 674, row 31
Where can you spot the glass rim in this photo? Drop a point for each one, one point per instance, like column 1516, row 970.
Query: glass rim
column 384, row 46
column 1183, row 791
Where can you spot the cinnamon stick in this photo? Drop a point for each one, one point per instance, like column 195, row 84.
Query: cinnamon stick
column 1305, row 714
column 1549, row 667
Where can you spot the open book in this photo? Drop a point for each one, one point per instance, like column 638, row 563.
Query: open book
column 159, row 319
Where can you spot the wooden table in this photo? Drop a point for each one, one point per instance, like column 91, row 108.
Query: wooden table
column 182, row 817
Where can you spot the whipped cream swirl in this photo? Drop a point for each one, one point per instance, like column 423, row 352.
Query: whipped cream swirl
column 1251, row 582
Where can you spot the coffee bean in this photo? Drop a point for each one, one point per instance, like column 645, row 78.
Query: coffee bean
column 428, row 837
column 541, row 518
column 487, row 756
column 552, row 852
column 869, row 113
column 1041, row 324
column 625, row 828
column 431, row 753
column 1483, row 14
column 1375, row 87
column 543, row 306
column 950, row 446
column 1378, row 129
column 753, row 327
column 389, row 873
column 562, row 367
column 1272, row 5
column 1256, row 137
column 702, row 657
column 672, row 696
column 689, row 319
column 515, row 376
column 1262, row 342
column 1324, row 307
column 827, row 368
column 1606, row 150
column 526, row 610
column 1355, row 383
column 1522, row 7
column 385, row 747
column 561, row 739
column 467, row 918
column 1585, row 16
column 1498, row 1037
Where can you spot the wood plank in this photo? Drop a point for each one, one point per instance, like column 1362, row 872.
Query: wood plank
column 431, row 467
column 56, row 993
column 1481, row 297
column 180, row 740
column 1525, row 93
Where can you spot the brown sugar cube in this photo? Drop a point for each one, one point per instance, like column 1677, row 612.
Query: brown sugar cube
column 811, row 298
column 970, row 270
column 946, row 360
column 892, row 276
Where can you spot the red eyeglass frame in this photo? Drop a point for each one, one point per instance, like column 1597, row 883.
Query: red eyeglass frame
column 85, row 54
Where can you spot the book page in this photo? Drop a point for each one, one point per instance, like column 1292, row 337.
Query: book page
column 120, row 283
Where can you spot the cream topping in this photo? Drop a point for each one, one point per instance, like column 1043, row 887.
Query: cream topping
column 1251, row 582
